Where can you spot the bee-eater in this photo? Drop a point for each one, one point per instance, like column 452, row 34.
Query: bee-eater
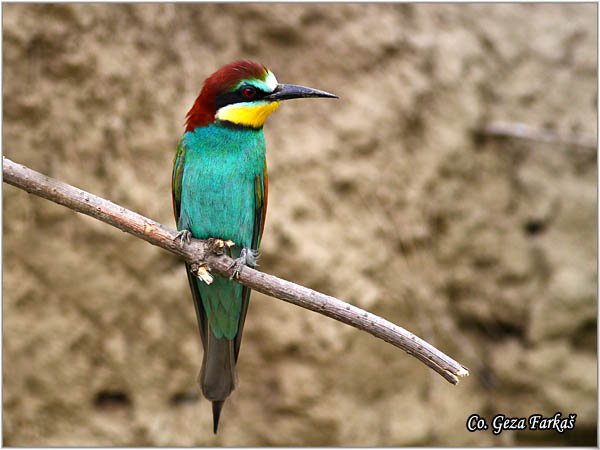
column 220, row 190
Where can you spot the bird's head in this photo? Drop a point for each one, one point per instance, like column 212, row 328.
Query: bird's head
column 243, row 93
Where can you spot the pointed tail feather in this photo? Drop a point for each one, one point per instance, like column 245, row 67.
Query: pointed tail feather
column 216, row 406
column 217, row 376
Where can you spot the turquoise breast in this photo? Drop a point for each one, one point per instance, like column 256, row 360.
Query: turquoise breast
column 217, row 196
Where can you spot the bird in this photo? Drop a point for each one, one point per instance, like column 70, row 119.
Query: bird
column 220, row 190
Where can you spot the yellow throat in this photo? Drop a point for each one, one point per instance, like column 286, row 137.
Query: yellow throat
column 249, row 114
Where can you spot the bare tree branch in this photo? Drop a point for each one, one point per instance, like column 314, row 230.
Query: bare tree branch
column 210, row 254
column 523, row 131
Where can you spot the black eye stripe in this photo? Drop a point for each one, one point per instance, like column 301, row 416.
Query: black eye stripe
column 237, row 96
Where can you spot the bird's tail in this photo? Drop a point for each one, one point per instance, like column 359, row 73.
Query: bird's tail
column 217, row 376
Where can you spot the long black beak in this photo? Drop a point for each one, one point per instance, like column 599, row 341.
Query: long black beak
column 288, row 91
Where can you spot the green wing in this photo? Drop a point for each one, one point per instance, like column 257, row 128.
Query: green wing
column 261, row 195
column 177, row 176
column 178, row 163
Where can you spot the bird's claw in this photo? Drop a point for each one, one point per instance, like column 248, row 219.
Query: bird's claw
column 251, row 257
column 184, row 236
column 248, row 257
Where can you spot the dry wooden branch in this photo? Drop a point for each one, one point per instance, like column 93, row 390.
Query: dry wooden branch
column 211, row 255
column 523, row 131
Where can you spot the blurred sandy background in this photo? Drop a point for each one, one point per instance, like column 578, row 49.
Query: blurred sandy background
column 387, row 198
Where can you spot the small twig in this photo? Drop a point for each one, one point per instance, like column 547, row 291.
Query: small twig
column 523, row 131
column 211, row 255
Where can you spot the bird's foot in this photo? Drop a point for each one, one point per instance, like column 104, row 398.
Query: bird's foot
column 248, row 257
column 184, row 236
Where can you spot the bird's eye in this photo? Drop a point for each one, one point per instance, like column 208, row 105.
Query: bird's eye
column 248, row 91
